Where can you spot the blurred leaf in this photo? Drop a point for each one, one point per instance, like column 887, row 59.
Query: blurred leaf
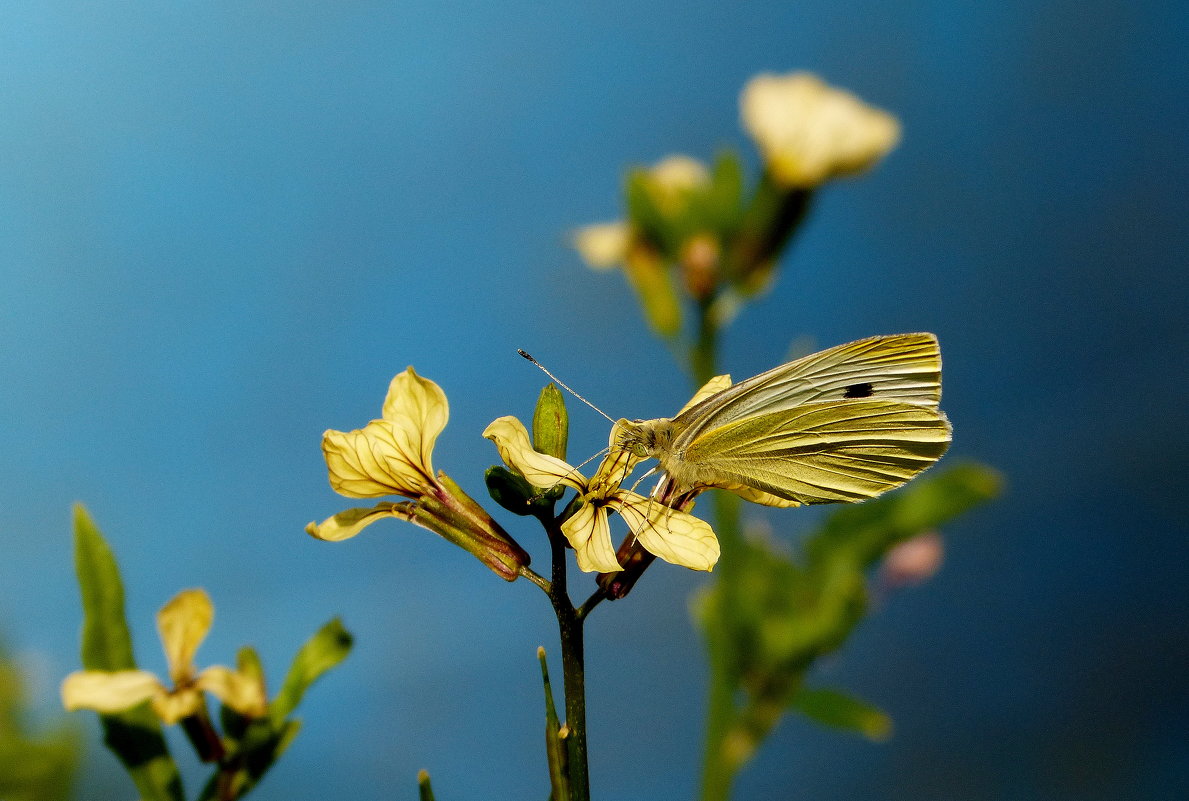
column 33, row 767
column 329, row 646
column 723, row 205
column 424, row 789
column 644, row 214
column 134, row 736
column 841, row 711
column 864, row 532
column 653, row 282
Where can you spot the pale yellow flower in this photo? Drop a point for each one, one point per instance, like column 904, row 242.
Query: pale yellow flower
column 603, row 245
column 673, row 535
column 183, row 624
column 389, row 456
column 673, row 178
column 393, row 456
column 809, row 132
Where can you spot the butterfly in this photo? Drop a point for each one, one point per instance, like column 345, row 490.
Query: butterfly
column 841, row 425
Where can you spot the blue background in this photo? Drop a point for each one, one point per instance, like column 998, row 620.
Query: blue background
column 225, row 225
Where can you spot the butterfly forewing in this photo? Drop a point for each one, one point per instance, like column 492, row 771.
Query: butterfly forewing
column 899, row 367
column 822, row 452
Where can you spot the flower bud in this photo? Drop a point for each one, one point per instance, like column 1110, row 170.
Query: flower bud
column 551, row 423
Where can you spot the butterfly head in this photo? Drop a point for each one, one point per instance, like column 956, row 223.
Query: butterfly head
column 642, row 438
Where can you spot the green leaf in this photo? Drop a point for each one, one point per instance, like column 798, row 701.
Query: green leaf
column 329, row 646
column 841, row 711
column 555, row 750
column 134, row 736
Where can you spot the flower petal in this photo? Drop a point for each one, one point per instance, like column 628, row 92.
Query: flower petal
column 673, row 535
column 173, row 706
column 809, row 132
column 711, row 387
column 348, row 523
column 109, row 692
column 417, row 408
column 242, row 693
column 511, row 439
column 603, row 245
column 589, row 531
column 183, row 624
column 376, row 460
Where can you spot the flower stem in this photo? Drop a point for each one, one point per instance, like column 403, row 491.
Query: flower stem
column 718, row 769
column 569, row 624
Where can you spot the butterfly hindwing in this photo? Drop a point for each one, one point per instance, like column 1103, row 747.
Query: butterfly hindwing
column 822, row 452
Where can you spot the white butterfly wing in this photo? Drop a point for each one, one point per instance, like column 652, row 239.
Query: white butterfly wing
column 823, row 452
column 898, row 367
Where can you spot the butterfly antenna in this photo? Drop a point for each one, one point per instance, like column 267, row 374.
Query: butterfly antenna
column 564, row 385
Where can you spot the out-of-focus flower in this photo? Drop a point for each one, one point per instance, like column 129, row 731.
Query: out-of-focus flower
column 913, row 561
column 673, row 535
column 809, row 132
column 603, row 245
column 183, row 624
column 392, row 456
column 672, row 179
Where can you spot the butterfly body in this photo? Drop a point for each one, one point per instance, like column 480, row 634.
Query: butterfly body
column 841, row 425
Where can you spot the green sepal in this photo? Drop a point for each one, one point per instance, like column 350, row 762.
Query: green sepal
column 261, row 746
column 133, row 736
column 644, row 214
column 329, row 646
column 839, row 710
column 551, row 423
column 511, row 491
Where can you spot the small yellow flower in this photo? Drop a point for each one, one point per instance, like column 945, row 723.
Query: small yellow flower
column 389, row 456
column 183, row 624
column 809, row 132
column 673, row 535
column 392, row 456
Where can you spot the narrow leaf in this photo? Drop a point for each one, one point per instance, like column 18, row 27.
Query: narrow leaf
column 841, row 711
column 329, row 646
column 424, row 790
column 555, row 751
column 134, row 736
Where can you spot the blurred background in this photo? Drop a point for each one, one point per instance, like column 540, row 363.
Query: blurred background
column 224, row 226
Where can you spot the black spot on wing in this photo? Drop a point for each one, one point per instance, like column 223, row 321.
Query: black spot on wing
column 864, row 390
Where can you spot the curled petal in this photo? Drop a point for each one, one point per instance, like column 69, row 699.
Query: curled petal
column 589, row 531
column 711, row 387
column 109, row 692
column 673, row 535
column 603, row 245
column 379, row 459
column 242, row 693
column 809, row 132
column 183, row 624
column 348, row 523
column 417, row 409
column 511, row 439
